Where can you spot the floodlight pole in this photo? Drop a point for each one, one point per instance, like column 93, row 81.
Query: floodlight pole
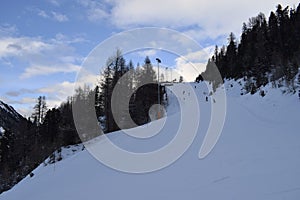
column 158, row 88
column 166, row 74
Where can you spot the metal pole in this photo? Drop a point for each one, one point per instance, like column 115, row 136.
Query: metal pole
column 158, row 82
column 166, row 74
column 158, row 88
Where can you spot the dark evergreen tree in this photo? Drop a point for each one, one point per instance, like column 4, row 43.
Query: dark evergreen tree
column 147, row 73
column 231, row 57
column 115, row 69
column 7, row 161
column 40, row 110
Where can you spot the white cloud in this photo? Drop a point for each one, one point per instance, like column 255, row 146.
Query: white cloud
column 59, row 17
column 150, row 52
column 191, row 65
column 36, row 49
column 64, row 39
column 28, row 100
column 47, row 70
column 41, row 57
column 43, row 14
column 210, row 19
column 18, row 46
column 52, row 15
column 36, row 56
column 97, row 14
column 19, row 92
column 7, row 29
column 95, row 10
column 23, row 100
column 197, row 56
column 58, row 92
column 190, row 70
column 54, row 2
column 86, row 77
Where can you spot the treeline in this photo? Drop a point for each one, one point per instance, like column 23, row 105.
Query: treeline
column 27, row 145
column 268, row 51
column 135, row 91
column 47, row 130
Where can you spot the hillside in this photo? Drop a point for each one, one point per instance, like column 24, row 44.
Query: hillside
column 9, row 117
column 256, row 157
column 12, row 127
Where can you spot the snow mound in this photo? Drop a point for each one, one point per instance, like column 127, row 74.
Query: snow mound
column 64, row 153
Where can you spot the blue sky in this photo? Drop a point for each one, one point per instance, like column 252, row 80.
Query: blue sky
column 43, row 43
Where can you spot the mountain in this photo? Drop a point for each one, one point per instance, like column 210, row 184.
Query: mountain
column 24, row 145
column 256, row 157
column 10, row 119
column 12, row 130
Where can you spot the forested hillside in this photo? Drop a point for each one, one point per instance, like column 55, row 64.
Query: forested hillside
column 268, row 51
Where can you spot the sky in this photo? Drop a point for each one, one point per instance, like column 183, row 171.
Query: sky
column 44, row 43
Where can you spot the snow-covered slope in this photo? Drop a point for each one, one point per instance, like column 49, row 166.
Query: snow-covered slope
column 257, row 157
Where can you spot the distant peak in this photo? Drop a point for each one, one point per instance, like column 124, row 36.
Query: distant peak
column 10, row 109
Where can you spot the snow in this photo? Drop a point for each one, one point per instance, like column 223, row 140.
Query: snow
column 256, row 157
column 65, row 152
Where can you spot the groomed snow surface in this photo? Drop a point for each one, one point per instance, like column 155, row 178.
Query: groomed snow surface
column 256, row 158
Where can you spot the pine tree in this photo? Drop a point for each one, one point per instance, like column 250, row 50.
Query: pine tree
column 43, row 108
column 115, row 69
column 231, row 56
column 40, row 110
column 147, row 74
column 6, row 149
